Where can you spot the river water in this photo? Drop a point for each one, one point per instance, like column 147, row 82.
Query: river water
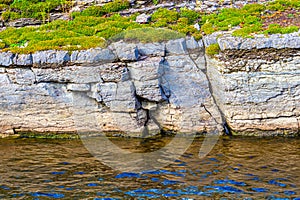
column 237, row 168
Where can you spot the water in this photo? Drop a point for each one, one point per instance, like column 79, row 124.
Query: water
column 237, row 168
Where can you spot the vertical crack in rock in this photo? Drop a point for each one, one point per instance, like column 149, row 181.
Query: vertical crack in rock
column 34, row 74
column 144, row 116
column 225, row 125
column 163, row 83
column 204, row 71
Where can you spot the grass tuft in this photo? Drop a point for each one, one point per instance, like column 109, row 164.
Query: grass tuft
column 212, row 49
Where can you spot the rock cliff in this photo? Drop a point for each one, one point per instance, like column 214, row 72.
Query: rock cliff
column 252, row 85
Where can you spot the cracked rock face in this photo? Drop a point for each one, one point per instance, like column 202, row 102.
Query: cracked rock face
column 262, row 96
column 143, row 89
column 166, row 90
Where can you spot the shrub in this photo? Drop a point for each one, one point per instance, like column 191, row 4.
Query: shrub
column 273, row 29
column 288, row 3
column 3, row 7
column 98, row 11
column 191, row 15
column 208, row 28
column 95, row 11
column 155, row 2
column 161, row 23
column 227, row 18
column 182, row 26
column 37, row 9
column 2, row 45
column 9, row 15
column 116, row 6
column 61, row 44
column 289, row 29
column 169, row 16
column 212, row 49
column 252, row 20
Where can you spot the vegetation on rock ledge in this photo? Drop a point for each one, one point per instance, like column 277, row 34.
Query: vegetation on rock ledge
column 94, row 26
column 212, row 49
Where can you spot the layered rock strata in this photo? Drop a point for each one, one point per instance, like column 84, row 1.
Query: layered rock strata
column 257, row 82
column 252, row 86
column 133, row 89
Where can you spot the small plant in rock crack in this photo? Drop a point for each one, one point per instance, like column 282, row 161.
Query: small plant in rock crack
column 212, row 49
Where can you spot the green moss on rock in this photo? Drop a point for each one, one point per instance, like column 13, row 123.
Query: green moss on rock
column 148, row 34
column 48, row 135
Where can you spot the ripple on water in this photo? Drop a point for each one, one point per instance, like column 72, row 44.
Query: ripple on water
column 223, row 189
column 50, row 195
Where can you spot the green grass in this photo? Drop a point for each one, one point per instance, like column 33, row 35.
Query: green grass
column 280, row 5
column 276, row 28
column 249, row 15
column 249, row 18
column 85, row 32
column 111, row 7
column 33, row 8
column 181, row 22
column 98, row 24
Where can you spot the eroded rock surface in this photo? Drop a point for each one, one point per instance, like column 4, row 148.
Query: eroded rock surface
column 135, row 89
column 258, row 96
column 143, row 89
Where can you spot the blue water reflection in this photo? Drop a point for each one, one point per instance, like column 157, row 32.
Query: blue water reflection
column 242, row 169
